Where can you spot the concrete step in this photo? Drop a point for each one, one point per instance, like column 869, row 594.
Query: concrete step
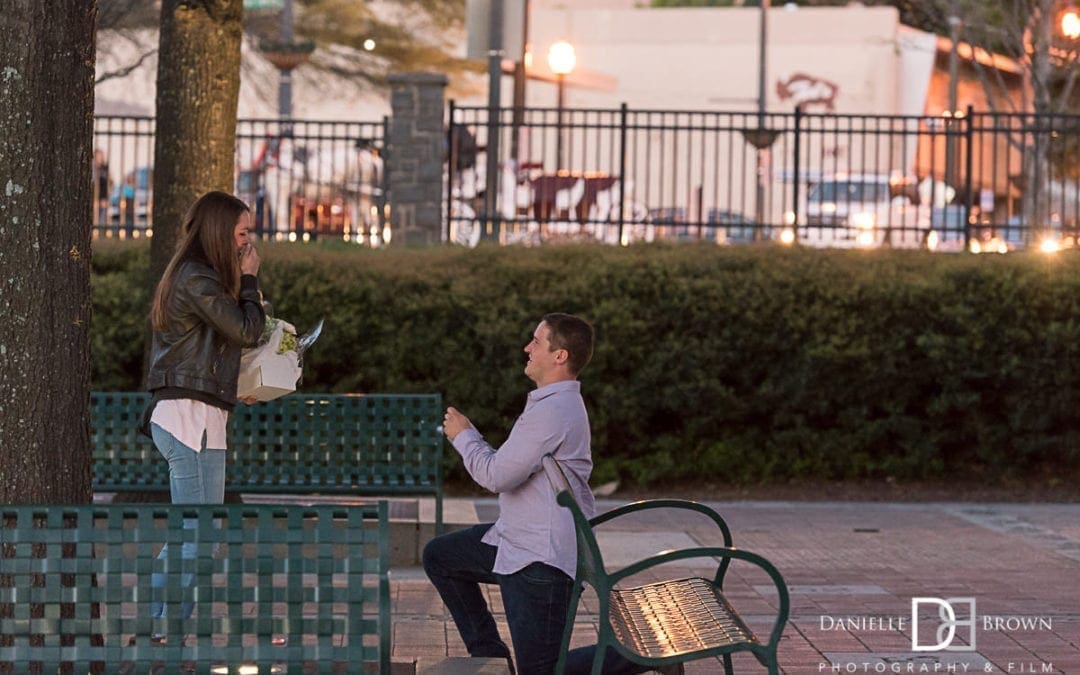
column 462, row 665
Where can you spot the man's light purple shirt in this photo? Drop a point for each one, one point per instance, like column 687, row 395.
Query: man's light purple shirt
column 532, row 527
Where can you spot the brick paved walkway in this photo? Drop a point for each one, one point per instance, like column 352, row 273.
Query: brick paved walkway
column 852, row 570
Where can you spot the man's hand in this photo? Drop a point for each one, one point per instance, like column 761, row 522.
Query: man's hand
column 248, row 400
column 454, row 423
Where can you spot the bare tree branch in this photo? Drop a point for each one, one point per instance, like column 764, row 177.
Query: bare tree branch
column 1065, row 102
column 125, row 71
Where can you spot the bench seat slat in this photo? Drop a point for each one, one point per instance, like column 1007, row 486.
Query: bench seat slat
column 675, row 617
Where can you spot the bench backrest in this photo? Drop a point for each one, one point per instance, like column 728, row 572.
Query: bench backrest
column 308, row 442
column 590, row 563
column 316, row 576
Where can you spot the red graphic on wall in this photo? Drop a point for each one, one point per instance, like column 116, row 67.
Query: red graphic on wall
column 806, row 90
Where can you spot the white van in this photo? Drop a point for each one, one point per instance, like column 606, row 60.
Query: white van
column 864, row 211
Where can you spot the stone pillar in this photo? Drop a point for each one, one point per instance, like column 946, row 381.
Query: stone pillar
column 417, row 153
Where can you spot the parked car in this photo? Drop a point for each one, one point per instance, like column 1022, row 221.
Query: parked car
column 669, row 223
column 736, row 228
column 865, row 211
column 310, row 217
column 988, row 236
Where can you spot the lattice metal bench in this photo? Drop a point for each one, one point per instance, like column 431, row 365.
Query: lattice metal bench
column 282, row 587
column 672, row 621
column 378, row 444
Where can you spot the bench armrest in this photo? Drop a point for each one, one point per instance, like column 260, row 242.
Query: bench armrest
column 727, row 554
column 686, row 504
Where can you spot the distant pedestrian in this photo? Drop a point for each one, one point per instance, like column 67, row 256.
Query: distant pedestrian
column 102, row 187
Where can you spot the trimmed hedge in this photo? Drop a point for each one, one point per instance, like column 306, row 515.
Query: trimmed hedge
column 742, row 364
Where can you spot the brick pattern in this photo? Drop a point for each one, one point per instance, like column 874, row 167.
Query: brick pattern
column 853, row 561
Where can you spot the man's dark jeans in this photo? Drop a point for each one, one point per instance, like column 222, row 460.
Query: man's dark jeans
column 535, row 599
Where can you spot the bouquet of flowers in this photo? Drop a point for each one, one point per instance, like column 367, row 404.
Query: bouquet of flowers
column 273, row 368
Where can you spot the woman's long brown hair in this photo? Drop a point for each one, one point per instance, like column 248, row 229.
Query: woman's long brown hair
column 207, row 236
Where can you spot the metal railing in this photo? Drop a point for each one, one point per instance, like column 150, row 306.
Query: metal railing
column 977, row 181
column 302, row 179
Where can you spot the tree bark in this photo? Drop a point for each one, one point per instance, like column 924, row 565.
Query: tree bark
column 46, row 134
column 1036, row 201
column 198, row 85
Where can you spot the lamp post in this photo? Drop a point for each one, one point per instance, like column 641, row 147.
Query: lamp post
column 495, row 56
column 955, row 24
column 561, row 59
column 760, row 155
column 519, row 86
column 285, row 82
column 286, row 54
column 761, row 137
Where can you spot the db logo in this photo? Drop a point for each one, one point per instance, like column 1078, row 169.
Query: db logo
column 947, row 622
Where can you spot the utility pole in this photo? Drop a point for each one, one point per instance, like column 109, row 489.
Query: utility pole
column 955, row 23
column 519, row 88
column 763, row 38
column 761, row 164
column 495, row 56
column 285, row 83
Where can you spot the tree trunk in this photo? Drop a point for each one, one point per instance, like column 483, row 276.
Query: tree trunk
column 1036, row 194
column 198, row 85
column 46, row 133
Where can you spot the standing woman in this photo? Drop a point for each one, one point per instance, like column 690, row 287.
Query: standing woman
column 207, row 306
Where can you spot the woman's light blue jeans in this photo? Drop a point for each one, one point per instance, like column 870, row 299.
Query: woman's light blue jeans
column 194, row 478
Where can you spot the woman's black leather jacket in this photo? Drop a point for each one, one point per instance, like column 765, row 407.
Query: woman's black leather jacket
column 200, row 351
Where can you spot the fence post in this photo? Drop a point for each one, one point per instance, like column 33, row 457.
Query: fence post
column 382, row 218
column 797, row 150
column 452, row 151
column 969, row 138
column 622, row 169
column 417, row 151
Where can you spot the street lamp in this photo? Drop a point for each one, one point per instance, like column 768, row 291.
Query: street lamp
column 561, row 59
column 1070, row 23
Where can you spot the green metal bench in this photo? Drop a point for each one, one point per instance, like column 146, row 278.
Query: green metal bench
column 672, row 621
column 378, row 444
column 285, row 588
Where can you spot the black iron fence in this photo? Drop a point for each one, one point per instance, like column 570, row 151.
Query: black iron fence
column 303, row 179
column 976, row 181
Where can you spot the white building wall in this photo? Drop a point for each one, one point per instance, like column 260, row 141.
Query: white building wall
column 707, row 58
column 671, row 58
